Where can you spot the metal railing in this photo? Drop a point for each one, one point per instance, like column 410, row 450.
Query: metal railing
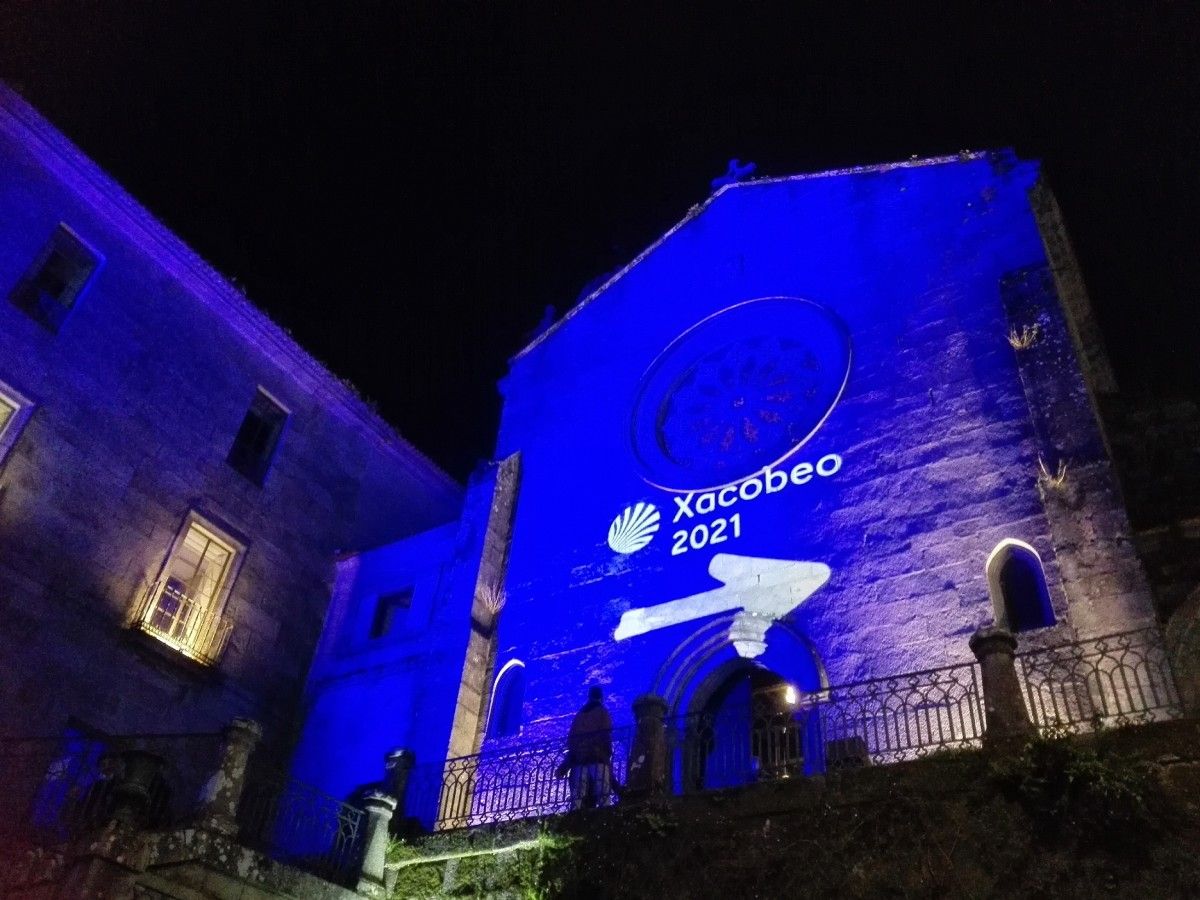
column 53, row 789
column 1119, row 679
column 1115, row 680
column 903, row 717
column 505, row 785
column 299, row 825
column 188, row 624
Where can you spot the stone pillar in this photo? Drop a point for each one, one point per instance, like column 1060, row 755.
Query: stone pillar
column 398, row 765
column 1007, row 717
column 647, row 775
column 221, row 795
column 379, row 808
column 132, row 790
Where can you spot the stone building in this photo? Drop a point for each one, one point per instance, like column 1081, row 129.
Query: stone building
column 819, row 433
column 176, row 474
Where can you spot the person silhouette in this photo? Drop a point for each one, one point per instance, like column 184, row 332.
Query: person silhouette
column 589, row 754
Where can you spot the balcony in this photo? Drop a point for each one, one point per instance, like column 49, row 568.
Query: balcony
column 186, row 624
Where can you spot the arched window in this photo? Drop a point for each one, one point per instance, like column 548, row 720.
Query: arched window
column 1017, row 583
column 508, row 698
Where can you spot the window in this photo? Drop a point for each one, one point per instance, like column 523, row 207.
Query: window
column 1017, row 583
column 15, row 410
column 508, row 701
column 51, row 287
column 258, row 437
column 388, row 610
column 183, row 609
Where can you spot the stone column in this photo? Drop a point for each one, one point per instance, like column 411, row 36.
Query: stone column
column 647, row 774
column 132, row 790
column 1007, row 717
column 221, row 795
column 379, row 808
column 397, row 766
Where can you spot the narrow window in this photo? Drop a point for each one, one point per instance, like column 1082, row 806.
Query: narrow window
column 183, row 608
column 388, row 610
column 1017, row 581
column 508, row 700
column 51, row 287
column 256, row 440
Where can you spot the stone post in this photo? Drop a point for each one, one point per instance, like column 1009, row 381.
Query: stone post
column 398, row 765
column 647, row 775
column 132, row 790
column 379, row 808
column 221, row 795
column 1007, row 717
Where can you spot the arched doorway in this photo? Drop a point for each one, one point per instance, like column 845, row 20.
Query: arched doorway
column 753, row 725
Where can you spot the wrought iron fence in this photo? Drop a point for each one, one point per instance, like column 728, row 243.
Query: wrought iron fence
column 887, row 720
column 1115, row 680
column 299, row 825
column 52, row 789
column 513, row 783
column 1119, row 679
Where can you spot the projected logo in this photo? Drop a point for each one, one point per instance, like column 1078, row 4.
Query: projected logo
column 739, row 391
column 634, row 528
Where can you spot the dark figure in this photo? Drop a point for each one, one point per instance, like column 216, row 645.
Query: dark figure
column 589, row 754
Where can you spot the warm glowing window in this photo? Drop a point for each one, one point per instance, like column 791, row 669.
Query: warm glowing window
column 256, row 440
column 183, row 608
column 8, row 411
column 51, row 287
column 15, row 410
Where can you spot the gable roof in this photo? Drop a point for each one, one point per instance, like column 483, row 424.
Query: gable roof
column 700, row 208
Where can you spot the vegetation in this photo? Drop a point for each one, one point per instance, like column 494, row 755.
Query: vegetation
column 1059, row 817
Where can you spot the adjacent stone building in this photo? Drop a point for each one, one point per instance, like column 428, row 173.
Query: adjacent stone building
column 819, row 433
column 176, row 474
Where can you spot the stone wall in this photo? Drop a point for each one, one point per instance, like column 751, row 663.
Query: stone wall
column 136, row 402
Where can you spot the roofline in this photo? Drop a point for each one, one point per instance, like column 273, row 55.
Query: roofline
column 79, row 173
column 964, row 156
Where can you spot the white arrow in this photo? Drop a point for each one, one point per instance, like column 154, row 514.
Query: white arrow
column 765, row 590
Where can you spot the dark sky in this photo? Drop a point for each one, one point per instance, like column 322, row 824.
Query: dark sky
column 405, row 185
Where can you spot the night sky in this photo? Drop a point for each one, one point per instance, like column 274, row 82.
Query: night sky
column 405, row 186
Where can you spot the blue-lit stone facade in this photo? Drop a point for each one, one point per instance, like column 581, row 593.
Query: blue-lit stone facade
column 129, row 407
column 789, row 436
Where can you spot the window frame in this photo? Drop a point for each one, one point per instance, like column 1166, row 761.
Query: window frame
column 10, row 431
column 66, row 240
column 993, row 568
column 267, row 460
column 220, row 598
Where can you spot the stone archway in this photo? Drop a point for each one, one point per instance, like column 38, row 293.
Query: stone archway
column 740, row 720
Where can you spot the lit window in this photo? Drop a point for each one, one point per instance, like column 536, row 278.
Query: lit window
column 15, row 410
column 388, row 610
column 508, row 701
column 183, row 609
column 256, row 440
column 1017, row 583
column 55, row 282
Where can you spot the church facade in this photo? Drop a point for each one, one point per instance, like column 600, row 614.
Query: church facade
column 819, row 433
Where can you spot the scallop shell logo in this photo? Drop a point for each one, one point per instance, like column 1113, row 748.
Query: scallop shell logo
column 633, row 529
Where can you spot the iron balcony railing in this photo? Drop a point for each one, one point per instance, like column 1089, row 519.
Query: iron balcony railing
column 187, row 624
column 1115, row 680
